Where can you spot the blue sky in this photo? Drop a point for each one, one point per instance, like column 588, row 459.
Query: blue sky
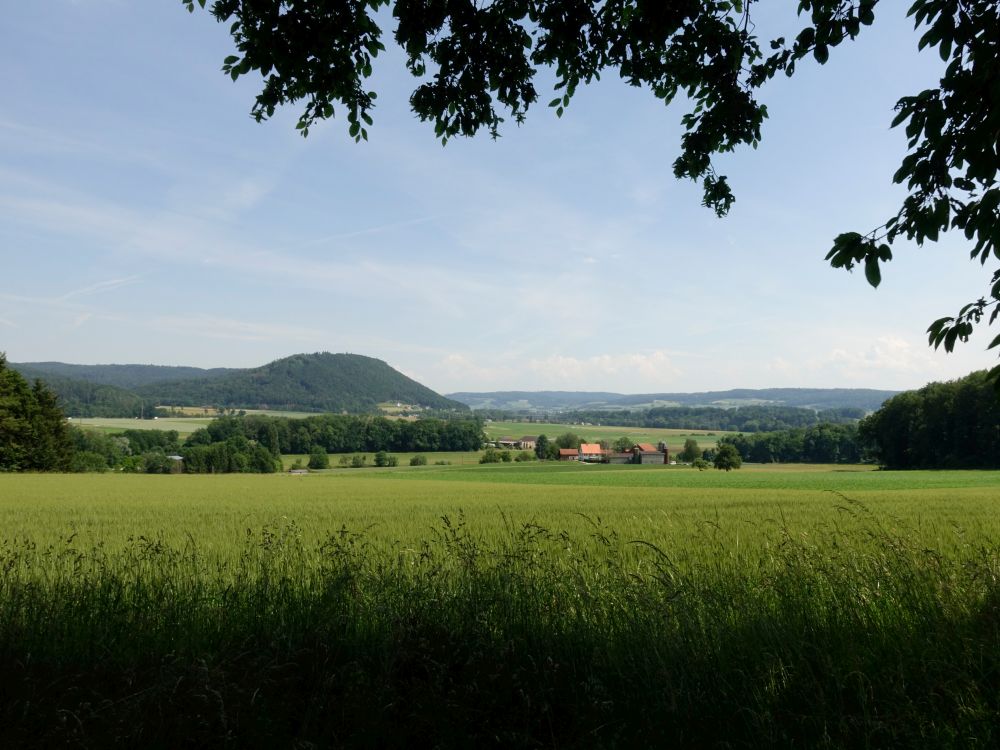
column 145, row 217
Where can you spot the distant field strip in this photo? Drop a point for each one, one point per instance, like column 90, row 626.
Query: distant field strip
column 674, row 438
column 183, row 425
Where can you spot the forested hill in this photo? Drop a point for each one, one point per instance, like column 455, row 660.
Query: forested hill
column 129, row 377
column 303, row 382
column 81, row 398
column 867, row 399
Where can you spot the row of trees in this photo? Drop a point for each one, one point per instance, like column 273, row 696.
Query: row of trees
column 739, row 419
column 747, row 418
column 822, row 444
column 343, row 433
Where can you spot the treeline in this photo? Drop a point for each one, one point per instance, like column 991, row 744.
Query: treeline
column 344, row 433
column 953, row 425
column 820, row 444
column 135, row 451
column 739, row 419
column 255, row 443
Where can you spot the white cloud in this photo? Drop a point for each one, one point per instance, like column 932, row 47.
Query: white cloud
column 887, row 355
column 626, row 372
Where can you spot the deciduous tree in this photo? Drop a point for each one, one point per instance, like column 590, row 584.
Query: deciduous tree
column 727, row 457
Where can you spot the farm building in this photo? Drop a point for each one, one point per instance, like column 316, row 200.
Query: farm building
column 528, row 442
column 568, row 454
column 620, row 458
column 591, row 452
column 507, row 442
column 646, row 453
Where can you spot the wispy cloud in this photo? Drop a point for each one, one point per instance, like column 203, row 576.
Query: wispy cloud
column 100, row 287
column 212, row 327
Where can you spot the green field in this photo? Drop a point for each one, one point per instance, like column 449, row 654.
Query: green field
column 652, row 503
column 184, row 425
column 452, row 458
column 672, row 437
column 505, row 605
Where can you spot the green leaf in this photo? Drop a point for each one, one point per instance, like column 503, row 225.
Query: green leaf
column 821, row 53
column 872, row 272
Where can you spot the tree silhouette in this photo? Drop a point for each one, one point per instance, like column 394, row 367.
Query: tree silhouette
column 476, row 64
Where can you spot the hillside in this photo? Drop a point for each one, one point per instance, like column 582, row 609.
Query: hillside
column 129, row 377
column 303, row 382
column 559, row 401
column 80, row 398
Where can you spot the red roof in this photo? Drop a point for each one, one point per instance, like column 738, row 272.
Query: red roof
column 567, row 452
column 646, row 448
column 590, row 449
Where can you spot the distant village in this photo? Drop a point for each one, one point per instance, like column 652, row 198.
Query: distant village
column 640, row 453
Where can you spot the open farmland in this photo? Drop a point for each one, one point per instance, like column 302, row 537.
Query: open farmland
column 184, row 425
column 509, row 605
column 674, row 438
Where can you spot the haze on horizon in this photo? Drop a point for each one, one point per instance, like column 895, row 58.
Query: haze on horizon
column 145, row 218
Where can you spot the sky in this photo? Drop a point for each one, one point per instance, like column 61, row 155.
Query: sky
column 146, row 218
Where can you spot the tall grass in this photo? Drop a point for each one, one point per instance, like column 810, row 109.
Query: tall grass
column 853, row 633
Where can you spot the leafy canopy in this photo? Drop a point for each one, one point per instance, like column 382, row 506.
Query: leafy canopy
column 476, row 60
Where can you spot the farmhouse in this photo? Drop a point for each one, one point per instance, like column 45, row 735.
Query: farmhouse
column 591, row 452
column 569, row 454
column 528, row 442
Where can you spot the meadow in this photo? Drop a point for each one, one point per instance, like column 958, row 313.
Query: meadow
column 508, row 605
column 184, row 425
column 674, row 438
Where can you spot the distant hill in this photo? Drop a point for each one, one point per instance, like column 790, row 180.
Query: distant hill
column 303, row 382
column 79, row 398
column 122, row 376
column 558, row 401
